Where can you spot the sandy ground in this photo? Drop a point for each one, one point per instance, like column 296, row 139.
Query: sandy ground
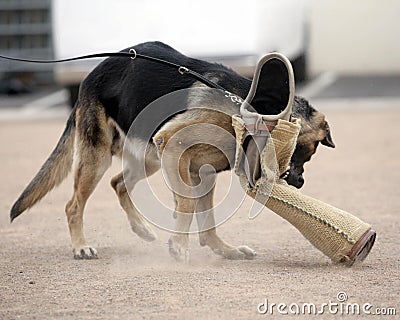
column 133, row 279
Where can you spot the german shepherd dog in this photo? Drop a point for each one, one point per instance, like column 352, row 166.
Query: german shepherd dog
column 110, row 98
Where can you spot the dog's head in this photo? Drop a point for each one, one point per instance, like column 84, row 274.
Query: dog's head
column 314, row 130
column 271, row 93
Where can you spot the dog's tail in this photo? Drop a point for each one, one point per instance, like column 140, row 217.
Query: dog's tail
column 52, row 173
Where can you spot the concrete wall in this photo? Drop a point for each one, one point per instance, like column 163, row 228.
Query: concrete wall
column 354, row 37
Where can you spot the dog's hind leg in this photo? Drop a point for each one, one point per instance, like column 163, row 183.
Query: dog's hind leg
column 93, row 158
column 123, row 183
column 206, row 221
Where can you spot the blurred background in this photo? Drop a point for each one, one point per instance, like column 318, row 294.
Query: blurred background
column 339, row 49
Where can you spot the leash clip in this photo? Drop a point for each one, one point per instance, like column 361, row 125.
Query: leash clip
column 133, row 51
column 182, row 70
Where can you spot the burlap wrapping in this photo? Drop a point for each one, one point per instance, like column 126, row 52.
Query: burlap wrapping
column 329, row 229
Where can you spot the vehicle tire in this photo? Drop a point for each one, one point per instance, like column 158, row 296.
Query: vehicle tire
column 73, row 91
column 300, row 68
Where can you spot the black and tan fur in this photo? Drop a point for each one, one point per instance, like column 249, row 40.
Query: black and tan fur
column 110, row 99
column 179, row 143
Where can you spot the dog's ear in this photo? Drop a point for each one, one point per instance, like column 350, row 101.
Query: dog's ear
column 272, row 88
column 327, row 141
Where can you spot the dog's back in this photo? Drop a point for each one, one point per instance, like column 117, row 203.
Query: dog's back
column 125, row 87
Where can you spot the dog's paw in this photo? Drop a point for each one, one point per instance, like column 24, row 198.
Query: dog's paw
column 248, row 252
column 85, row 252
column 144, row 231
column 178, row 248
column 240, row 253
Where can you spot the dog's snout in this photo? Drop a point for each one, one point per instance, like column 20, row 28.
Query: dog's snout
column 300, row 181
column 295, row 178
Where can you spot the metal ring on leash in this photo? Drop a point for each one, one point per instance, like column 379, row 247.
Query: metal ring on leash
column 133, row 51
column 183, row 70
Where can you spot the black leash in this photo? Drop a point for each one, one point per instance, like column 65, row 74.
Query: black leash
column 133, row 55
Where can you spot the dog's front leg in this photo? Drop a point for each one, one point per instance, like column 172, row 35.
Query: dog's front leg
column 176, row 170
column 206, row 221
column 179, row 241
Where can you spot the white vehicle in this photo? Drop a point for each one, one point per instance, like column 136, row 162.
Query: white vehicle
column 235, row 33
